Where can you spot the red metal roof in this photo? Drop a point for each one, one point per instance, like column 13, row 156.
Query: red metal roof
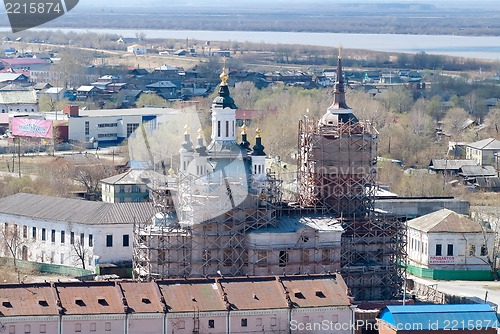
column 190, row 295
column 90, row 298
column 142, row 297
column 23, row 299
column 255, row 293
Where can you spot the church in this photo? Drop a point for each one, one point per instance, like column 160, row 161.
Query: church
column 228, row 216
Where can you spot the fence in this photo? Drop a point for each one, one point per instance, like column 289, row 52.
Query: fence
column 45, row 267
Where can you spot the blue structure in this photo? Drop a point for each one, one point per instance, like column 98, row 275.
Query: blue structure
column 439, row 317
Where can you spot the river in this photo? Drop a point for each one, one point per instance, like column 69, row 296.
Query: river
column 483, row 47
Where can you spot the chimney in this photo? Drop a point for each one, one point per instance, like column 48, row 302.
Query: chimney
column 71, row 110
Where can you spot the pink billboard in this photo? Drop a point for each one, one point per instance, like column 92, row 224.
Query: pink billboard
column 27, row 127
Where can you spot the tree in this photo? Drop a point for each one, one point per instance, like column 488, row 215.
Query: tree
column 47, row 103
column 489, row 250
column 151, row 99
column 89, row 173
column 492, row 120
column 80, row 252
column 399, row 100
column 14, row 245
column 72, row 68
column 454, row 121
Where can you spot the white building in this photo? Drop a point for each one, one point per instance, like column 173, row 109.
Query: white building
column 484, row 152
column 446, row 241
column 125, row 188
column 137, row 49
column 69, row 232
column 18, row 101
column 114, row 125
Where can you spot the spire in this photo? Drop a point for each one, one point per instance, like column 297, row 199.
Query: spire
column 224, row 100
column 224, row 76
column 244, row 142
column 258, row 148
column 187, row 145
column 200, row 147
column 339, row 93
column 171, row 170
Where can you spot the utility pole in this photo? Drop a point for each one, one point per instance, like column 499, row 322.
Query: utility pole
column 19, row 155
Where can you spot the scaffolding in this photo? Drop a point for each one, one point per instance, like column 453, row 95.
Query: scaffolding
column 206, row 236
column 373, row 256
column 336, row 167
column 337, row 176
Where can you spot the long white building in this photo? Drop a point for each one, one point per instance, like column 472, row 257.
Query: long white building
column 68, row 232
column 114, row 125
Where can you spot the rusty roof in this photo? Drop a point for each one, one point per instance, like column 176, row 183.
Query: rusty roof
column 192, row 295
column 142, row 297
column 32, row 299
column 90, row 298
column 254, row 294
column 173, row 295
column 317, row 291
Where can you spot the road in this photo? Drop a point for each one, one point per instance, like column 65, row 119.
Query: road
column 466, row 288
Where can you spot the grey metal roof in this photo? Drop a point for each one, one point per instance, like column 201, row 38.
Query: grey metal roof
column 11, row 76
column 162, row 84
column 445, row 221
column 469, row 171
column 486, row 144
column 129, row 177
column 18, row 96
column 75, row 210
column 489, row 182
column 129, row 112
column 292, row 224
column 450, row 164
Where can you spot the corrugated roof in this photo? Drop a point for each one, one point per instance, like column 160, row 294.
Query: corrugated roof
column 129, row 177
column 450, row 164
column 75, row 210
column 162, row 84
column 486, row 144
column 54, row 90
column 470, row 171
column 11, row 76
column 17, row 96
column 445, row 220
column 86, row 88
column 439, row 317
column 488, row 182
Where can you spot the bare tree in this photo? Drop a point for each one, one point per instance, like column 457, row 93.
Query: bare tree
column 14, row 245
column 80, row 253
column 89, row 173
column 489, row 254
